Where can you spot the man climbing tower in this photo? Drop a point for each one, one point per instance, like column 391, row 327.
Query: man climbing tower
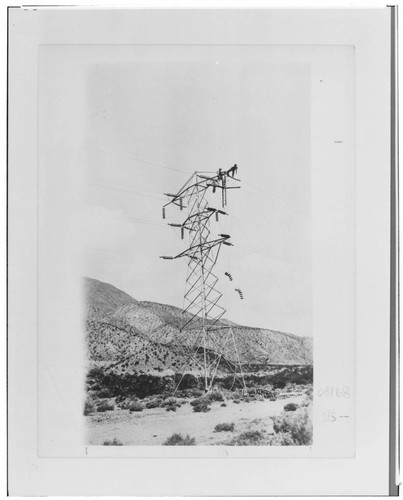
column 232, row 171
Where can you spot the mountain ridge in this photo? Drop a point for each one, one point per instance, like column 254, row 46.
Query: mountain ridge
column 145, row 336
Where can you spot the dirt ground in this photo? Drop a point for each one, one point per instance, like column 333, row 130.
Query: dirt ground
column 154, row 426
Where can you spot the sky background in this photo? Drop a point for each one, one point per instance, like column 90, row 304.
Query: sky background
column 156, row 114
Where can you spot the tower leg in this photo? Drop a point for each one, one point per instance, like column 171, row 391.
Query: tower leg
column 242, row 378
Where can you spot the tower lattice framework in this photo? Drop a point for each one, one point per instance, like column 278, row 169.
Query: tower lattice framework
column 206, row 336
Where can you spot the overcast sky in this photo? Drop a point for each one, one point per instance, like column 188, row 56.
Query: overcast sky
column 156, row 114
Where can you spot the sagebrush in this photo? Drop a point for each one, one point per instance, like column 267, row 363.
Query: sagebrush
column 114, row 442
column 294, row 428
column 224, row 427
column 178, row 440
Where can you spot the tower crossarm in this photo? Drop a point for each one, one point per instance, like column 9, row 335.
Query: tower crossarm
column 207, row 245
column 202, row 182
column 203, row 215
column 187, row 190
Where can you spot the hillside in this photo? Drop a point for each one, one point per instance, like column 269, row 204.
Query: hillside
column 134, row 336
column 104, row 297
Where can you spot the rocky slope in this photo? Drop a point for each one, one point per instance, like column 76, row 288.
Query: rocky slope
column 133, row 336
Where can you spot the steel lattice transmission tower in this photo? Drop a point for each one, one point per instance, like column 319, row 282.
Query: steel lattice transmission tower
column 205, row 335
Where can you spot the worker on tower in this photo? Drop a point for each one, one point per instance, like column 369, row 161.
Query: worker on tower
column 233, row 170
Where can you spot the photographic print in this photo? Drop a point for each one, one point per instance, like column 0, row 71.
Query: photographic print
column 194, row 195
column 197, row 249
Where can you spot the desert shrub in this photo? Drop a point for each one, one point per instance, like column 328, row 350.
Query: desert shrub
column 170, row 401
column 297, row 425
column 236, row 395
column 95, row 372
column 188, row 393
column 259, row 397
column 290, row 407
column 170, row 407
column 114, row 442
column 229, row 383
column 223, row 404
column 202, row 407
column 247, row 399
column 216, row 395
column 196, row 393
column 135, row 406
column 273, row 399
column 178, row 440
column 105, row 406
column 125, row 404
column 201, row 400
column 301, row 375
column 104, row 393
column 114, row 384
column 309, row 391
column 89, row 407
column 183, row 393
column 236, row 401
column 188, row 381
column 154, row 403
column 281, row 439
column 278, row 378
column 224, row 427
column 248, row 438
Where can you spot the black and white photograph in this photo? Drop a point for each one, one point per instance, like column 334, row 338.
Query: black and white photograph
column 197, row 250
column 190, row 214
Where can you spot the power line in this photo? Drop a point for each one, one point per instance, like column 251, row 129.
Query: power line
column 141, row 221
column 99, row 184
column 141, row 160
column 278, row 197
column 116, row 252
column 131, row 219
column 124, row 186
column 159, row 164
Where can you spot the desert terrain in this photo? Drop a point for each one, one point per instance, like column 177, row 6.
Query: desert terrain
column 155, row 425
column 143, row 387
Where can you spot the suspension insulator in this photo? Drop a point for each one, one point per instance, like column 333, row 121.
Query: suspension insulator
column 163, row 212
column 216, row 216
column 181, row 203
column 182, row 233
